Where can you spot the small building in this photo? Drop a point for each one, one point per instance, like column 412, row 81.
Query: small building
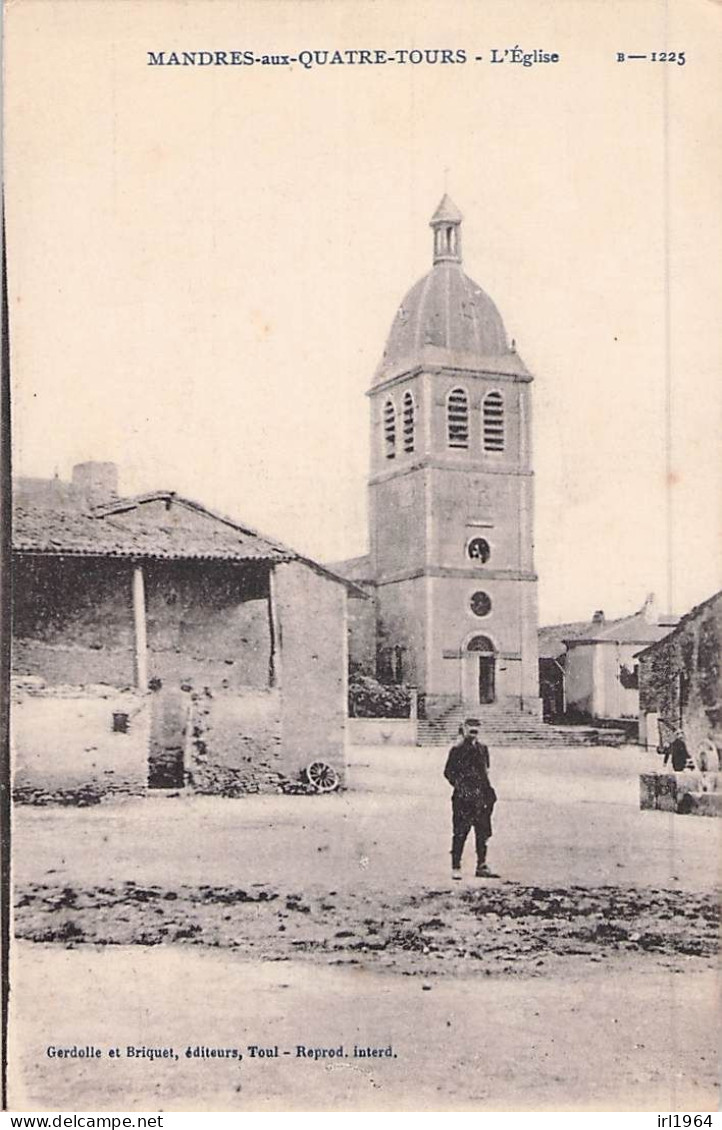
column 158, row 644
column 588, row 668
column 680, row 686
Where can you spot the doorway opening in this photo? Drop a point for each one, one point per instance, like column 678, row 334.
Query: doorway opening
column 480, row 671
column 170, row 723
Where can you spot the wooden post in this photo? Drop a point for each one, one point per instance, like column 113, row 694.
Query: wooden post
column 141, row 644
column 274, row 658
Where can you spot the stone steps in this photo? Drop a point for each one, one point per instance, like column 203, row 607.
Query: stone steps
column 502, row 727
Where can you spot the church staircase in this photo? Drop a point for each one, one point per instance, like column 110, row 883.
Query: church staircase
column 504, row 726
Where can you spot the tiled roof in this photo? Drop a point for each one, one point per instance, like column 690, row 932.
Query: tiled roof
column 632, row 629
column 160, row 525
column 447, row 212
column 553, row 640
column 126, row 529
column 356, row 569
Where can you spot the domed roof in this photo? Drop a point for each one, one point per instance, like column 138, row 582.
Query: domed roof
column 446, row 318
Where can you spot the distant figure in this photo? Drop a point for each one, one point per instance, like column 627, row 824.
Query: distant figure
column 677, row 753
column 473, row 799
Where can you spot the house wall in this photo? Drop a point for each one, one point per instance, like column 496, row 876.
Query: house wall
column 362, row 634
column 209, row 641
column 580, row 679
column 311, row 623
column 208, row 624
column 235, row 744
column 593, row 686
column 73, row 620
column 622, row 702
column 693, row 651
column 402, row 608
column 64, row 746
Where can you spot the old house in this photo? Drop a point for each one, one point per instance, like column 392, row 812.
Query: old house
column 588, row 668
column 159, row 644
column 680, row 685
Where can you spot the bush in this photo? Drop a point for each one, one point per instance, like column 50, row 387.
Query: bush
column 368, row 698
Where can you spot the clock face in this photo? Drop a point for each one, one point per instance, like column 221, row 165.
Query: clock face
column 481, row 604
column 479, row 550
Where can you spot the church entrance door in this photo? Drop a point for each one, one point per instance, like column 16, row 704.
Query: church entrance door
column 487, row 666
column 479, row 672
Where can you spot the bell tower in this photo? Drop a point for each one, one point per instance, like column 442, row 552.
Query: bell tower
column 451, row 494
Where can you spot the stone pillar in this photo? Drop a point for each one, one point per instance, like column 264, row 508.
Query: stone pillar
column 413, row 703
column 139, row 621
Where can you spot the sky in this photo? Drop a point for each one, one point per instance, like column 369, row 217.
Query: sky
column 204, row 263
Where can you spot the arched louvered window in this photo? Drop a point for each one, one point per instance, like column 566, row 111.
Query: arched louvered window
column 457, row 418
column 409, row 421
column 493, row 422
column 390, row 429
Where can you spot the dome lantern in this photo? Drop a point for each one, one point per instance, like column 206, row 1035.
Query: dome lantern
column 446, row 225
column 446, row 319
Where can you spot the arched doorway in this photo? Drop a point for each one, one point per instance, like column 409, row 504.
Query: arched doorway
column 479, row 671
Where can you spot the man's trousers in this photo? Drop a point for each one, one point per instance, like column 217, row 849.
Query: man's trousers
column 468, row 813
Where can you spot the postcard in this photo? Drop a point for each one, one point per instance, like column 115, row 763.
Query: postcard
column 365, row 698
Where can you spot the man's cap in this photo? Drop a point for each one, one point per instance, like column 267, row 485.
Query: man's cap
column 472, row 722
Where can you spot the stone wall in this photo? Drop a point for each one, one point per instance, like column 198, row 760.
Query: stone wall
column 398, row 529
column 688, row 794
column 77, row 744
column 73, row 620
column 401, row 608
column 681, row 676
column 312, row 629
column 208, row 624
column 362, row 634
column 235, row 744
column 382, row 731
column 210, row 720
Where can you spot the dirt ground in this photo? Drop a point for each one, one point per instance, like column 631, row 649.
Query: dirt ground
column 585, row 977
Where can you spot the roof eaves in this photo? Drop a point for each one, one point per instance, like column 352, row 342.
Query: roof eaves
column 142, row 554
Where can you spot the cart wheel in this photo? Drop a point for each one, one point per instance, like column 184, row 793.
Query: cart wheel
column 323, row 777
column 708, row 758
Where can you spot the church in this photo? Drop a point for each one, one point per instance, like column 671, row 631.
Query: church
column 450, row 569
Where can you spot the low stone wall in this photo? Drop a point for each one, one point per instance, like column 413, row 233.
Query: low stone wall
column 687, row 793
column 78, row 745
column 75, row 745
column 381, row 731
column 235, row 747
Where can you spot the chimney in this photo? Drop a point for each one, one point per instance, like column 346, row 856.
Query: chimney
column 96, row 482
column 650, row 610
column 598, row 617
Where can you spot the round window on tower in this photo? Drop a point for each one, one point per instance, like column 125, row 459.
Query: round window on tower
column 481, row 604
column 479, row 550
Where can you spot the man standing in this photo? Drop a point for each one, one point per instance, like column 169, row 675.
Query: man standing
column 473, row 799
